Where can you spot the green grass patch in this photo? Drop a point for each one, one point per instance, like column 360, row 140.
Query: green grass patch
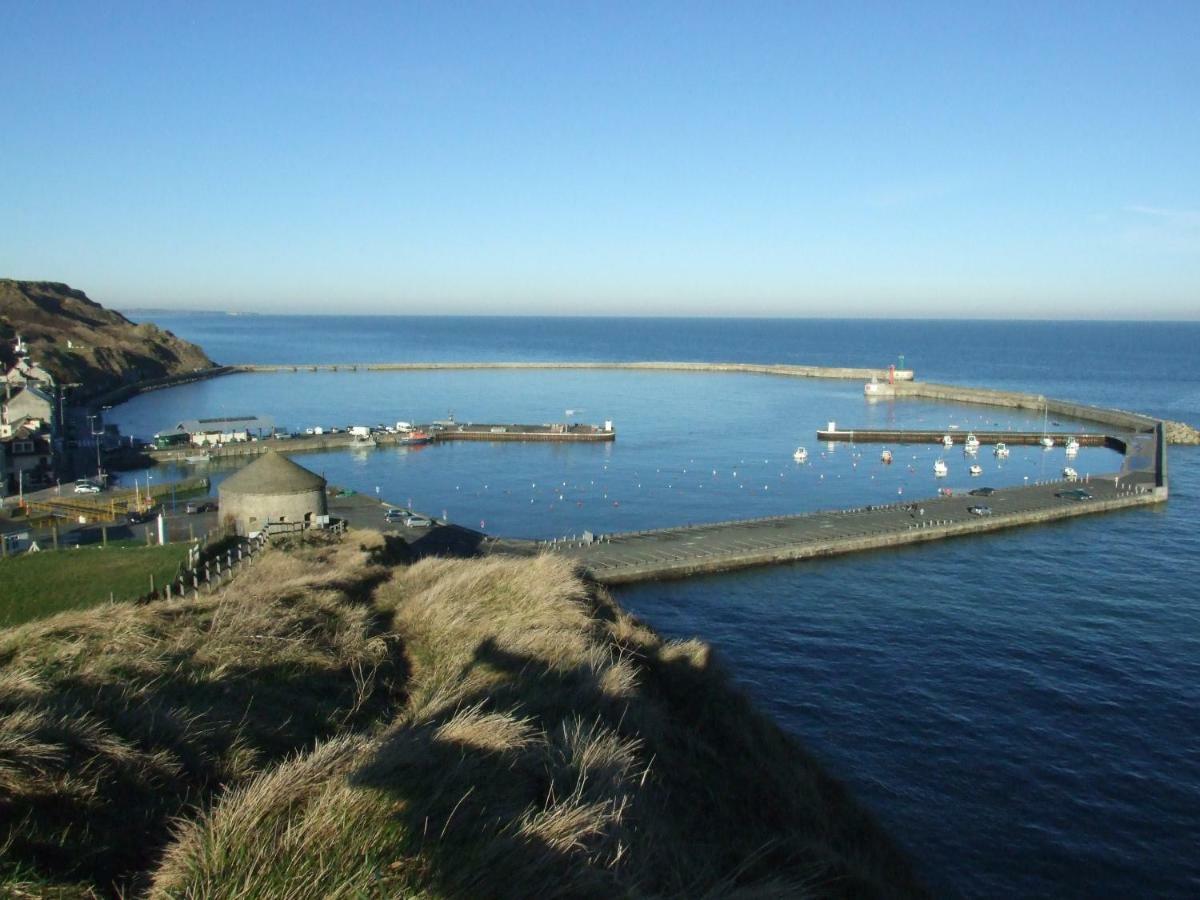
column 35, row 585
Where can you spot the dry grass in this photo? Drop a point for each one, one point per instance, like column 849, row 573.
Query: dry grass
column 551, row 746
column 334, row 728
column 115, row 720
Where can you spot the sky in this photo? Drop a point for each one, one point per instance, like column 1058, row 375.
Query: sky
column 998, row 160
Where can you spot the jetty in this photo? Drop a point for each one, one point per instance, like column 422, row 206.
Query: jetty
column 561, row 432
column 958, row 438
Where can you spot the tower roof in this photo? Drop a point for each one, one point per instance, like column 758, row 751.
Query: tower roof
column 273, row 474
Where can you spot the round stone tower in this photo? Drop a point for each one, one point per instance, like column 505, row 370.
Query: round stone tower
column 272, row 491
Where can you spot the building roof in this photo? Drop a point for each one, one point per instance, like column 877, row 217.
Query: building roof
column 273, row 474
column 223, row 425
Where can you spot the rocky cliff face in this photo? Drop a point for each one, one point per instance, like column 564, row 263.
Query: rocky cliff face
column 80, row 342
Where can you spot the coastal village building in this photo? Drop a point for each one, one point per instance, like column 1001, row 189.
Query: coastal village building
column 273, row 495
column 28, row 424
column 29, row 459
column 25, row 404
column 215, row 431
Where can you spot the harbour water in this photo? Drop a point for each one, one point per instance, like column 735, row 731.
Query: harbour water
column 1022, row 710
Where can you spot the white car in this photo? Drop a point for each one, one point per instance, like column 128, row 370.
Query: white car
column 418, row 522
column 86, row 487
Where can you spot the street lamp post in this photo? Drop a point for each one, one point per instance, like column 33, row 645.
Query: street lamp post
column 96, row 439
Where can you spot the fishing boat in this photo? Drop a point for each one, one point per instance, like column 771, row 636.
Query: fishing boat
column 1072, row 446
column 1070, row 474
column 940, row 469
column 947, row 441
column 976, row 469
column 1047, row 442
column 971, row 445
column 1001, row 450
column 800, row 455
column 886, row 456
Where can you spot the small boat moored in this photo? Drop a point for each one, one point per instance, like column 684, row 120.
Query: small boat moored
column 971, row 445
column 976, row 470
column 1070, row 474
column 1001, row 450
column 1047, row 442
column 885, row 456
column 947, row 441
column 940, row 469
column 800, row 455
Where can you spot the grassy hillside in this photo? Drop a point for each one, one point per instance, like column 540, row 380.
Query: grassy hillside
column 80, row 342
column 35, row 585
column 333, row 726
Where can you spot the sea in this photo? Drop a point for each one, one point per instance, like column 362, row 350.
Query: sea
column 1020, row 710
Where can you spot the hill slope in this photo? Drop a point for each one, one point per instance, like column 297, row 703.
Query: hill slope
column 332, row 725
column 80, row 342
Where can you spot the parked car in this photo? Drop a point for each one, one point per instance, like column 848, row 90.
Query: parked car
column 1073, row 494
column 136, row 517
column 982, row 492
column 86, row 487
column 394, row 514
column 979, row 510
column 418, row 522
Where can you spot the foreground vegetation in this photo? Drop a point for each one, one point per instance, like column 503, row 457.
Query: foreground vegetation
column 36, row 585
column 332, row 725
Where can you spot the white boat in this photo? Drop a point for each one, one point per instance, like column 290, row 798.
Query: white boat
column 1070, row 474
column 1001, row 450
column 976, row 469
column 1047, row 442
column 940, row 469
column 1072, row 446
column 885, row 456
column 971, row 444
column 800, row 455
column 196, row 460
column 947, row 441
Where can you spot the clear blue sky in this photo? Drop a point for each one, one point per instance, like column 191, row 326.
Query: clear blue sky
column 811, row 159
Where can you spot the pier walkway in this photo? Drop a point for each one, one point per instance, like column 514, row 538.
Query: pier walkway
column 726, row 546
column 959, row 437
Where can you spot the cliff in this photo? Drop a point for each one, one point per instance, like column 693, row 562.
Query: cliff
column 80, row 342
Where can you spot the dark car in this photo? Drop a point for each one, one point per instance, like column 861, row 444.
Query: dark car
column 136, row 517
column 982, row 492
column 1073, row 494
column 979, row 510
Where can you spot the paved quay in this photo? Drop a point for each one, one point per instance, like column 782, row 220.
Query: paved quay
column 726, row 546
column 959, row 437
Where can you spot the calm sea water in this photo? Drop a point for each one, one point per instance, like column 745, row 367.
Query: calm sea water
column 1021, row 710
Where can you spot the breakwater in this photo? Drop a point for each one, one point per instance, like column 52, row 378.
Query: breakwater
column 727, row 546
column 790, row 371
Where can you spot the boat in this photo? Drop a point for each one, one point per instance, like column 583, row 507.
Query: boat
column 1001, row 450
column 196, row 460
column 800, row 455
column 1047, row 441
column 1070, row 474
column 976, row 469
column 412, row 438
column 1072, row 446
column 885, row 456
column 971, row 445
column 940, row 469
column 947, row 441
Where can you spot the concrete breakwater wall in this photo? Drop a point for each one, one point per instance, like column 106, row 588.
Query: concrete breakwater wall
column 1114, row 418
column 728, row 546
column 790, row 371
